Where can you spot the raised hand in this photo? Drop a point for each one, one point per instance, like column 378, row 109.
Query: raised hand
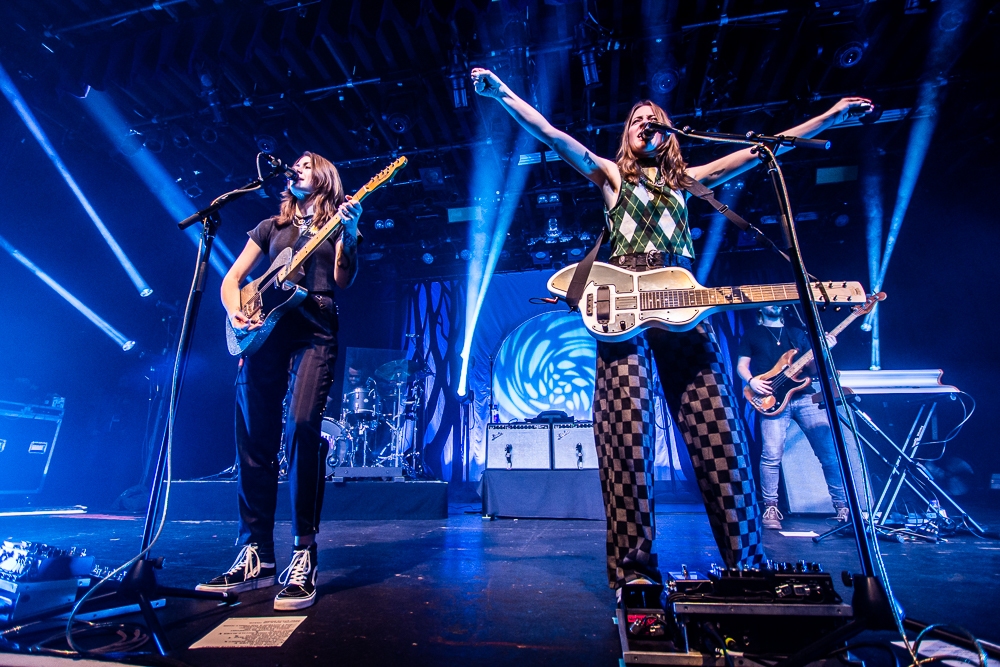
column 486, row 83
column 841, row 111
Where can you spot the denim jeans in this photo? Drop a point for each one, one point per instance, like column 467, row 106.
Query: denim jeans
column 814, row 424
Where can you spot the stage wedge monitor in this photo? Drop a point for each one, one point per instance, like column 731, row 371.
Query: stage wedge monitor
column 27, row 438
column 518, row 446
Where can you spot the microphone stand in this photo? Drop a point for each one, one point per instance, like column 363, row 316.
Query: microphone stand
column 139, row 585
column 873, row 609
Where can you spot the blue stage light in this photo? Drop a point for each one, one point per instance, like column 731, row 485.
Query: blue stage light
column 13, row 95
column 125, row 343
column 160, row 183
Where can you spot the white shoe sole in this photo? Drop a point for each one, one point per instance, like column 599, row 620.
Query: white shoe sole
column 253, row 584
column 291, row 604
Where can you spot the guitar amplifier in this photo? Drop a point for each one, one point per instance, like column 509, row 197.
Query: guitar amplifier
column 27, row 439
column 518, row 446
column 573, row 446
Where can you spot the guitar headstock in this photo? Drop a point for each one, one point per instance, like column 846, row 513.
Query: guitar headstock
column 869, row 304
column 383, row 176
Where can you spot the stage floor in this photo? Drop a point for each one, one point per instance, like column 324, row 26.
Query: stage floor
column 462, row 590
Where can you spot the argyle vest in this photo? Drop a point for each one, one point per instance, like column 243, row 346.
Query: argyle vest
column 647, row 218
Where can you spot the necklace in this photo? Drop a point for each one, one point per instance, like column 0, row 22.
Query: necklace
column 302, row 222
column 659, row 179
column 777, row 339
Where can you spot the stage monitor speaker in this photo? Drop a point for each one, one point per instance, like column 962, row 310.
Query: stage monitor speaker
column 518, row 446
column 27, row 439
column 573, row 446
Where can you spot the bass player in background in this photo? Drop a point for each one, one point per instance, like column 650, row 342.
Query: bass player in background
column 647, row 219
column 296, row 359
column 760, row 349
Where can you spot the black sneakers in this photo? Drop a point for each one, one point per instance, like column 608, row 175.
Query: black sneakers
column 246, row 574
column 299, row 581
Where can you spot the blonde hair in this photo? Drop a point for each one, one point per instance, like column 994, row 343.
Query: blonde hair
column 668, row 154
column 327, row 194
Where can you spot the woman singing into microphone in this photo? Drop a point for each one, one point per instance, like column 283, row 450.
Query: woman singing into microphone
column 646, row 212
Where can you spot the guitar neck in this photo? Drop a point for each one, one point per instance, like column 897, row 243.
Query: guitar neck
column 808, row 356
column 321, row 237
column 720, row 296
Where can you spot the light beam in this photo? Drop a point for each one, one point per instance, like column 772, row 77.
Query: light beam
column 13, row 95
column 125, row 343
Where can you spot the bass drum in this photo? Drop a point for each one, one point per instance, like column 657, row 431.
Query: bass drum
column 338, row 436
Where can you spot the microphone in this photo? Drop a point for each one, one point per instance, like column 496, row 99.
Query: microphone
column 280, row 166
column 652, row 127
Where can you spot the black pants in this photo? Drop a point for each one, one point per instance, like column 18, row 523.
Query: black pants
column 296, row 360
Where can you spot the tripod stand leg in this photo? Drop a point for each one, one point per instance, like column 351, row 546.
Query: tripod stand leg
column 833, row 531
column 153, row 623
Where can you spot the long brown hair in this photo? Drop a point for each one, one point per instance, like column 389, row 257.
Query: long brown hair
column 327, row 194
column 668, row 155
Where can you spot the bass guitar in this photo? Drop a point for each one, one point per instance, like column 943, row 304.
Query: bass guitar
column 617, row 304
column 266, row 299
column 784, row 377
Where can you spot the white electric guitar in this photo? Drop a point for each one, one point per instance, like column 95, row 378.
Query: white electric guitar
column 618, row 304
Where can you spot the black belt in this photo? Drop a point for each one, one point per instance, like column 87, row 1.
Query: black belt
column 654, row 259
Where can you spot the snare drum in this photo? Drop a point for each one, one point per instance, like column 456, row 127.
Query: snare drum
column 361, row 403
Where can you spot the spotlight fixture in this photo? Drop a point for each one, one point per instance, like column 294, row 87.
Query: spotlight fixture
column 465, row 254
column 696, row 233
column 427, row 258
column 849, row 54
column 665, row 80
column 389, row 223
column 209, row 135
column 131, row 143
column 398, row 122
column 842, row 220
column 379, row 224
column 180, row 138
column 266, row 143
column 575, row 253
column 153, row 142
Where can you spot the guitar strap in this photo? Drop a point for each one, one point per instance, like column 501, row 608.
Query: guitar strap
column 575, row 291
column 701, row 192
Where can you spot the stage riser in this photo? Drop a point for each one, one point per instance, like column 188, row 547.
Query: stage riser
column 362, row 500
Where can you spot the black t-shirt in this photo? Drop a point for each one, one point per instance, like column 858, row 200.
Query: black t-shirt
column 272, row 239
column 760, row 343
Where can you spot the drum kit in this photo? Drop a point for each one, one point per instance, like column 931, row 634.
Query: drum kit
column 377, row 420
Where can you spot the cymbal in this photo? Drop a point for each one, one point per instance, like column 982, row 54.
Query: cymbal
column 397, row 370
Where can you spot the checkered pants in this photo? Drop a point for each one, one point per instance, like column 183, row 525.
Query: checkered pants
column 700, row 396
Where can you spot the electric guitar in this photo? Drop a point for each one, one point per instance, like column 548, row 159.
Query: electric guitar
column 266, row 299
column 617, row 304
column 784, row 379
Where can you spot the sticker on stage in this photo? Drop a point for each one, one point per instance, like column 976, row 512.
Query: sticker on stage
column 255, row 632
column 798, row 533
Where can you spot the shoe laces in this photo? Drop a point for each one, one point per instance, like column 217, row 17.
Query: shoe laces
column 247, row 560
column 298, row 571
column 771, row 512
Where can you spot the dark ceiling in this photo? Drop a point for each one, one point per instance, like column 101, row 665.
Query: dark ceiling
column 209, row 83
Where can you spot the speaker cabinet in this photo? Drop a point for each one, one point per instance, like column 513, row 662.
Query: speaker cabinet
column 573, row 446
column 27, row 439
column 518, row 446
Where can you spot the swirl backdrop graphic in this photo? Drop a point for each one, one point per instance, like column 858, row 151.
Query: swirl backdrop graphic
column 547, row 363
